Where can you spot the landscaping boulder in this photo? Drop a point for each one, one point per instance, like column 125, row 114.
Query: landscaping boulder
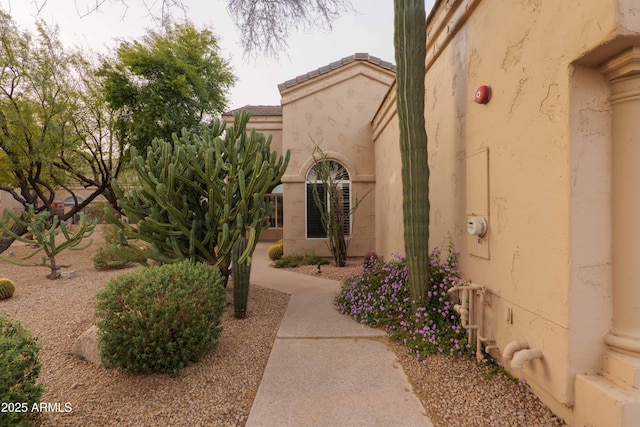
column 87, row 346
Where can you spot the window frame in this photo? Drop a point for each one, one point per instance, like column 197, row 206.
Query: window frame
column 310, row 180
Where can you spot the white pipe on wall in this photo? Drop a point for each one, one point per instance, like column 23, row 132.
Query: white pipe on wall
column 525, row 355
column 512, row 347
column 468, row 310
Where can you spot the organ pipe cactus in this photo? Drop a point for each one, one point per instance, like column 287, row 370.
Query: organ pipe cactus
column 198, row 194
column 410, row 53
column 241, row 275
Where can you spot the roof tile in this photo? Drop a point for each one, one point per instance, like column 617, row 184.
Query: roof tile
column 258, row 110
column 334, row 66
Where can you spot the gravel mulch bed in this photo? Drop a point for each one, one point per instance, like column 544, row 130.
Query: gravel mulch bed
column 217, row 391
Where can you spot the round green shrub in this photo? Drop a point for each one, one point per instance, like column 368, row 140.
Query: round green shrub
column 19, row 370
column 158, row 319
column 106, row 258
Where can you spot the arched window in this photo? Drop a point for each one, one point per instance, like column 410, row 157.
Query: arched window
column 334, row 176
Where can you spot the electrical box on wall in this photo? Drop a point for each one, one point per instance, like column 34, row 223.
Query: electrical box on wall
column 477, row 214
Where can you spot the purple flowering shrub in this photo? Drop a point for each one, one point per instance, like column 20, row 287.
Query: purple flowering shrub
column 379, row 296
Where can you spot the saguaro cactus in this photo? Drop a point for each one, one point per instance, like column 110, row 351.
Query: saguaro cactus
column 199, row 195
column 241, row 270
column 410, row 48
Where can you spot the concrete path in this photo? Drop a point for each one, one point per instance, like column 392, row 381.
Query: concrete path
column 326, row 369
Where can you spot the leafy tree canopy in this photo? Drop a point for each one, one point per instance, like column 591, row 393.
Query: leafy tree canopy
column 54, row 133
column 165, row 82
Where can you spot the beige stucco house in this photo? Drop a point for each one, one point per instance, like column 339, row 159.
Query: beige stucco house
column 550, row 162
column 332, row 107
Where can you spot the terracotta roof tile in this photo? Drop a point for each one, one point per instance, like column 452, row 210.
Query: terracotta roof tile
column 258, row 110
column 334, row 66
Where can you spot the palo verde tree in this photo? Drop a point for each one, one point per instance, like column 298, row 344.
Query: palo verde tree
column 199, row 195
column 41, row 151
column 164, row 82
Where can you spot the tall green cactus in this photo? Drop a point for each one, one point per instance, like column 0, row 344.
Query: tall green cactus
column 198, row 195
column 43, row 230
column 241, row 271
column 410, row 50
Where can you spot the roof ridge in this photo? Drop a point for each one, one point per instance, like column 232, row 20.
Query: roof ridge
column 258, row 110
column 362, row 56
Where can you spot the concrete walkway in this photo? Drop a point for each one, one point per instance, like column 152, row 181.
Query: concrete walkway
column 326, row 369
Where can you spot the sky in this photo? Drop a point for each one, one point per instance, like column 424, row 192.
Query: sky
column 367, row 29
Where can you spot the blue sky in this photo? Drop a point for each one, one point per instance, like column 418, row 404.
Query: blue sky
column 368, row 29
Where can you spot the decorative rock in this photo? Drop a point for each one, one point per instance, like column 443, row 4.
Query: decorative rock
column 87, row 346
column 68, row 274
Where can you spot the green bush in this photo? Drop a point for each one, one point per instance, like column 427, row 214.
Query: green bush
column 158, row 319
column 291, row 261
column 19, row 370
column 107, row 258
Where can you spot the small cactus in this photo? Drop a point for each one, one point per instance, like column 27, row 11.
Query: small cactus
column 7, row 288
column 275, row 252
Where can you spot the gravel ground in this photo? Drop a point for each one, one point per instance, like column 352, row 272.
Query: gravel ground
column 217, row 391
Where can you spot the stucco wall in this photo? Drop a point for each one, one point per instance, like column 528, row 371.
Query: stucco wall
column 389, row 217
column 546, row 130
column 335, row 112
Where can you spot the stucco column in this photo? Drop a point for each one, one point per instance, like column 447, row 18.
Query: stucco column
column 623, row 73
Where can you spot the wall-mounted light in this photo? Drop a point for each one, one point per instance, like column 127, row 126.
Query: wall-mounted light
column 483, row 94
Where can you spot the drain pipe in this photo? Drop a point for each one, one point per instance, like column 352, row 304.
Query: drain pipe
column 519, row 353
column 481, row 330
column 467, row 293
column 526, row 355
column 512, row 347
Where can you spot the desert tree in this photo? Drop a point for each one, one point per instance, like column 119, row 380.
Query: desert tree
column 41, row 150
column 168, row 80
